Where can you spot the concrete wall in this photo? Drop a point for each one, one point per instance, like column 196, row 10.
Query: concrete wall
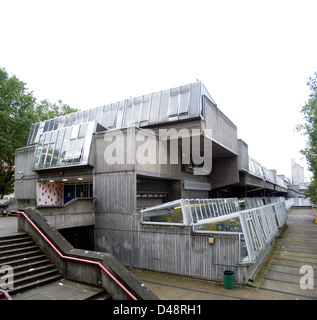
column 243, row 156
column 171, row 249
column 224, row 131
column 69, row 173
column 186, row 253
column 75, row 213
column 225, row 172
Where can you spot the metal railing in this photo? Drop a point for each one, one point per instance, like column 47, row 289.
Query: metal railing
column 6, row 294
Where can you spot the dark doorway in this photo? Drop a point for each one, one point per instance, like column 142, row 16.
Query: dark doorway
column 79, row 237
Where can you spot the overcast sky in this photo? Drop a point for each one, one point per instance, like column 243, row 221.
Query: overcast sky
column 254, row 58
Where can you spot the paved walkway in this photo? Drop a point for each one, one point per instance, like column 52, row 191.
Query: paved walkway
column 8, row 225
column 280, row 276
column 59, row 290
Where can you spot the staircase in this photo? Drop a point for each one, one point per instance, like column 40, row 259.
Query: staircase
column 31, row 267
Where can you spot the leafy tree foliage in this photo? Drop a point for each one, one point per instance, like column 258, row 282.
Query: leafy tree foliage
column 18, row 110
column 309, row 129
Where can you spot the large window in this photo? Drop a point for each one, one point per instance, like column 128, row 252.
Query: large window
column 170, row 213
column 232, row 224
column 80, row 190
column 64, row 147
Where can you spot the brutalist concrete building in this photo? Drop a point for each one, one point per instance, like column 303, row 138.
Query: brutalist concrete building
column 160, row 181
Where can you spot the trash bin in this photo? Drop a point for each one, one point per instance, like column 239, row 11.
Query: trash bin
column 228, row 279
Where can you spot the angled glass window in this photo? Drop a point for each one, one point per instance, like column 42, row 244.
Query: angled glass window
column 46, row 125
column 64, row 147
column 78, row 149
column 244, row 255
column 82, row 130
column 224, row 224
column 170, row 213
column 58, row 145
column 51, row 125
column 31, row 135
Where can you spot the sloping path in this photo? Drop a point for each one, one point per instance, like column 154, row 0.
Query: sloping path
column 296, row 250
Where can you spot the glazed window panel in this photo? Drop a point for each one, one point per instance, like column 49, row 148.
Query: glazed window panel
column 169, row 214
column 244, row 255
column 224, row 225
column 70, row 150
column 49, row 155
column 78, row 148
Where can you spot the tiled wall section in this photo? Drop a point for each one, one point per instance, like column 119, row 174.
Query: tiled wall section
column 50, row 193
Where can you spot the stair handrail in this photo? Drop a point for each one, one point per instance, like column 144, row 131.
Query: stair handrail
column 77, row 259
column 6, row 294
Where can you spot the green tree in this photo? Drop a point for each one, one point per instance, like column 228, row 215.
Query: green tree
column 18, row 110
column 309, row 129
column 47, row 110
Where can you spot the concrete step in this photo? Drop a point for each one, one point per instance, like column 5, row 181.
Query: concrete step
column 62, row 289
column 21, row 255
column 6, row 241
column 33, row 276
column 29, row 264
column 16, row 235
column 24, row 260
column 32, row 270
column 17, row 250
column 103, row 295
column 15, row 245
column 34, row 283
